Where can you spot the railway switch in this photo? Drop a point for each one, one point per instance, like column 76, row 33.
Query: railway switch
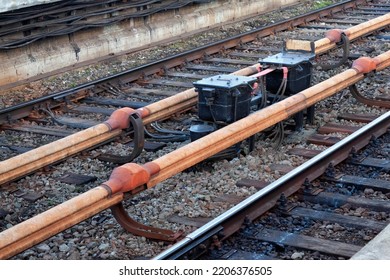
column 222, row 99
column 295, row 60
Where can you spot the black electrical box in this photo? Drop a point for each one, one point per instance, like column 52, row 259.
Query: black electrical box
column 224, row 98
column 299, row 71
column 199, row 130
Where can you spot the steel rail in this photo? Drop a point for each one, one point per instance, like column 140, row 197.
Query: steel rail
column 260, row 202
column 35, row 159
column 354, row 32
column 197, row 53
column 156, row 111
column 219, row 140
column 132, row 178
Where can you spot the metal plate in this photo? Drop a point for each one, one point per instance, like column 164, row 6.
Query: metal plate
column 224, row 81
column 77, row 179
column 288, row 58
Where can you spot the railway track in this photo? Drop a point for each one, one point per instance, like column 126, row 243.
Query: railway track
column 99, row 94
column 92, row 96
column 25, row 26
column 319, row 210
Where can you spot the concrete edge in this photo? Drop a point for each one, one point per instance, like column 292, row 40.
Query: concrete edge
column 43, row 58
column 377, row 249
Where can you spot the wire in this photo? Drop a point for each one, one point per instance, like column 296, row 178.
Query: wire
column 168, row 136
column 66, row 17
column 345, row 46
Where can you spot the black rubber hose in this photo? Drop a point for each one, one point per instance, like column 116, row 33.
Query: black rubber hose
column 345, row 45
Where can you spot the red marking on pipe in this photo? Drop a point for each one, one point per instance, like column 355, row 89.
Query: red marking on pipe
column 255, row 87
column 120, row 118
column 127, row 177
column 334, row 35
column 364, row 65
column 152, row 168
column 143, row 112
column 285, row 72
column 262, row 73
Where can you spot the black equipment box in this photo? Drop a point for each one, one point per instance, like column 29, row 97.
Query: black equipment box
column 299, row 71
column 224, row 98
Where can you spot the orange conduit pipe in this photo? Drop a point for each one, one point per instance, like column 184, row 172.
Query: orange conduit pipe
column 42, row 226
column 37, row 158
column 181, row 101
column 57, row 213
column 70, row 145
column 28, row 167
column 334, row 36
column 12, row 168
column 131, row 176
column 49, row 230
column 221, row 139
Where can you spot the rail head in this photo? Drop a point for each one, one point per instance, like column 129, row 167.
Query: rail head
column 286, row 184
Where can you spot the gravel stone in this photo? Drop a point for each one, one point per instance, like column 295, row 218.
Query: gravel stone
column 297, row 255
column 64, row 248
column 43, row 248
column 188, row 194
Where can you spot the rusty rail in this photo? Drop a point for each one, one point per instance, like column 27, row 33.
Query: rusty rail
column 334, row 36
column 251, row 208
column 176, row 60
column 11, row 169
column 132, row 178
column 33, row 160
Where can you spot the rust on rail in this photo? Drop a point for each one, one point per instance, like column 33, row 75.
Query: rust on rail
column 132, row 178
column 35, row 159
column 39, row 228
column 334, row 36
column 77, row 142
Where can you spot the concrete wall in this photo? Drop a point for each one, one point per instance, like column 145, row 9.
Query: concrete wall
column 42, row 57
column 10, row 5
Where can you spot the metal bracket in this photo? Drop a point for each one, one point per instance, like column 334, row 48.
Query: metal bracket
column 283, row 206
column 354, row 157
column 136, row 228
column 136, row 124
column 309, row 189
column 345, row 43
column 380, row 103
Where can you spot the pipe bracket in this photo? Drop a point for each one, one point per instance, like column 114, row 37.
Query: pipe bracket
column 371, row 102
column 137, row 126
column 120, row 118
column 127, row 177
column 334, row 35
column 136, row 228
column 364, row 65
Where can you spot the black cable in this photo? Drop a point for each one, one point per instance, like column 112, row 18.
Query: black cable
column 345, row 46
column 75, row 22
column 167, row 137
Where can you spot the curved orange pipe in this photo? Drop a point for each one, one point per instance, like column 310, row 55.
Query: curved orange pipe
column 334, row 36
column 130, row 176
